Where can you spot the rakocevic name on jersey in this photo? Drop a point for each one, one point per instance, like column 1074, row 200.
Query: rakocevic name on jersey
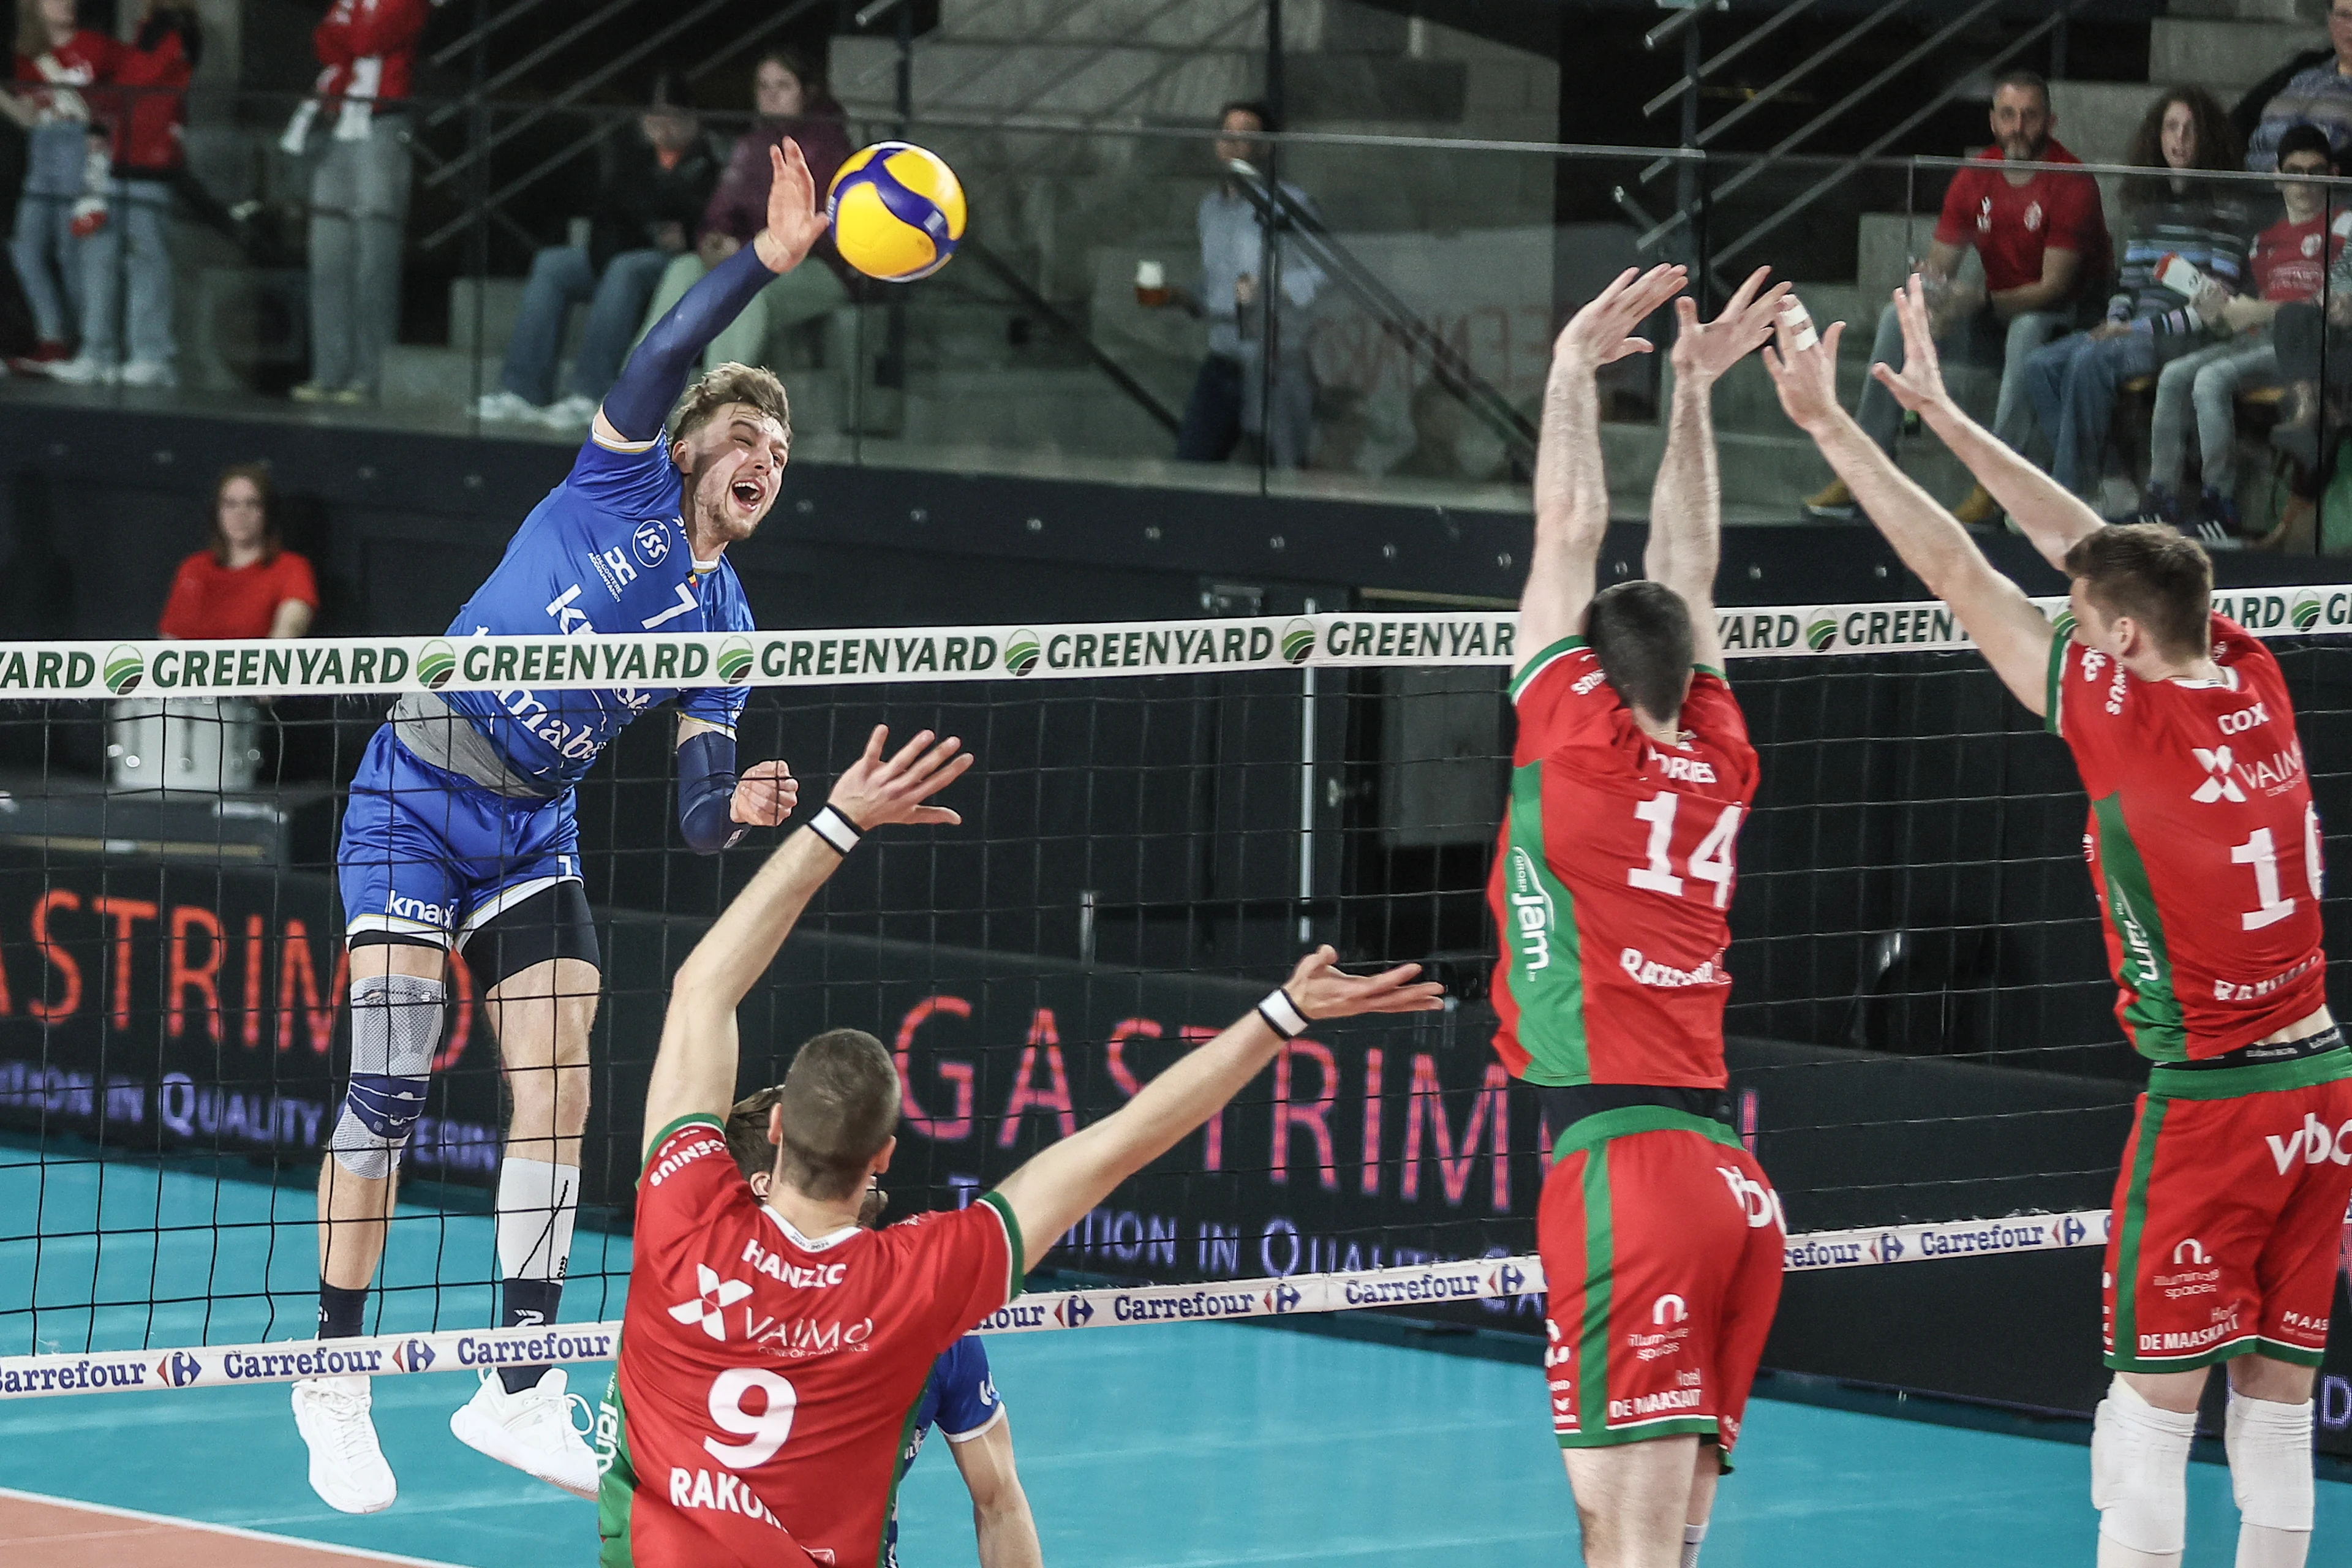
column 606, row 551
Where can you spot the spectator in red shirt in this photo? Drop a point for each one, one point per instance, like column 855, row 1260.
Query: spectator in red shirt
column 359, row 190
column 246, row 584
column 792, row 103
column 56, row 60
column 2043, row 240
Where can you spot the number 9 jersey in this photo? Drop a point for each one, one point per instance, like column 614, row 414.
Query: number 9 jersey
column 1613, row 880
column 2203, row 844
column 768, row 1379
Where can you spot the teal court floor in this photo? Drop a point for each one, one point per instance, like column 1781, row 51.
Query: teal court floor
column 1140, row 1447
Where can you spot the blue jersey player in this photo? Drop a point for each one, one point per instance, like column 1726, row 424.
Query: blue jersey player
column 459, row 834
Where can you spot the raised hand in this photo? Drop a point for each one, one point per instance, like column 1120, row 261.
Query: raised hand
column 876, row 791
column 1706, row 352
column 1920, row 382
column 1320, row 989
column 794, row 223
column 1602, row 332
column 765, row 794
column 1805, row 377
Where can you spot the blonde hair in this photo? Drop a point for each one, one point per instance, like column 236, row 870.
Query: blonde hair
column 733, row 383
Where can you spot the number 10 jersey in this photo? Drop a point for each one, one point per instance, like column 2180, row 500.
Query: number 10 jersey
column 1611, row 885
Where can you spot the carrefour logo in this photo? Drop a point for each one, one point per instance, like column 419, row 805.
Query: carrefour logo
column 1820, row 632
column 1297, row 640
column 436, row 664
column 179, row 1369
column 124, row 669
column 1021, row 651
column 734, row 660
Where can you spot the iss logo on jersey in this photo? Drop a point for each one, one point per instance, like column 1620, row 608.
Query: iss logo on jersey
column 651, row 540
column 710, row 1306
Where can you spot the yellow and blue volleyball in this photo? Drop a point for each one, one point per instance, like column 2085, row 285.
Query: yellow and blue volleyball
column 897, row 210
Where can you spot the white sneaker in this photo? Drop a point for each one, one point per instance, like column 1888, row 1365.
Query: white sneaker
column 572, row 413
column 83, row 371
column 532, row 1431
column 504, row 404
column 347, row 1468
column 148, row 373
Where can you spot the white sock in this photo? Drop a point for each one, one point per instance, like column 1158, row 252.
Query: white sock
column 2269, row 1444
column 537, row 1203
column 2139, row 1479
column 1692, row 1535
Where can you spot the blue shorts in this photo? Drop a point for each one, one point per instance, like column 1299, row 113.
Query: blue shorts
column 430, row 855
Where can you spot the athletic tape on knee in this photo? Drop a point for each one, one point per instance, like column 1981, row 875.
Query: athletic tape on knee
column 537, row 1203
column 396, row 1028
column 2139, row 1471
column 2269, row 1461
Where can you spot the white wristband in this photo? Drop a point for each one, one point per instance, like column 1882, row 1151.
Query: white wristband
column 1282, row 1015
column 834, row 829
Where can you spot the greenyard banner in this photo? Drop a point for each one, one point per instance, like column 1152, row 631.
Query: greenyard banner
column 336, row 666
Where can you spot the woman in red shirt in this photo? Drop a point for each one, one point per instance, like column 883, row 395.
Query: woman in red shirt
column 245, row 585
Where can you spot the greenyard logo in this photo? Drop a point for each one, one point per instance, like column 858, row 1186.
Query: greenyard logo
column 2304, row 611
column 1021, row 651
column 1820, row 632
column 1297, row 640
column 734, row 660
column 436, row 664
column 124, row 669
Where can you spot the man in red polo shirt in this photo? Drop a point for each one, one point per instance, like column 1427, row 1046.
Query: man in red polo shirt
column 2043, row 240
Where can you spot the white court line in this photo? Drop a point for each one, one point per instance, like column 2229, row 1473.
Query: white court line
column 357, row 1553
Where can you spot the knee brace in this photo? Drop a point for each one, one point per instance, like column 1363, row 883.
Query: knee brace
column 2270, row 1462
column 396, row 1027
column 2139, row 1472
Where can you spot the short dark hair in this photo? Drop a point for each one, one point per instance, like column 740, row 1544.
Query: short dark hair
column 840, row 1102
column 747, row 1132
column 1641, row 632
column 2026, row 78
column 2305, row 139
column 1265, row 116
column 672, row 90
column 2153, row 573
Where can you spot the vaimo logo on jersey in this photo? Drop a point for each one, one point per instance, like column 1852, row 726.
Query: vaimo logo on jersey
column 1531, row 910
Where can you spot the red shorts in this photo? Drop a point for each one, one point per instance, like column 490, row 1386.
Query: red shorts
column 1662, row 1245
column 2229, row 1219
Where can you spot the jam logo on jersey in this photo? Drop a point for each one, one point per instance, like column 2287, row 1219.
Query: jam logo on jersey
column 2313, row 1143
column 1532, row 910
column 708, row 1306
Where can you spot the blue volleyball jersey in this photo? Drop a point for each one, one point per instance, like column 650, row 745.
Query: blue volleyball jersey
column 606, row 551
column 961, row 1400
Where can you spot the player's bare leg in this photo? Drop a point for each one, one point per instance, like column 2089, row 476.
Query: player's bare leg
column 2140, row 1453
column 1706, row 1470
column 542, row 1016
column 1632, row 1500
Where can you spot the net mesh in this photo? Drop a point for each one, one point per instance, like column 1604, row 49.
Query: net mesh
column 1920, row 1025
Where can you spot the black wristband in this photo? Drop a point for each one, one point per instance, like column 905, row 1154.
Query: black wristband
column 1282, row 1015
column 830, row 825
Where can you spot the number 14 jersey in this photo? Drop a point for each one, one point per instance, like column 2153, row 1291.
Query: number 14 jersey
column 1613, row 880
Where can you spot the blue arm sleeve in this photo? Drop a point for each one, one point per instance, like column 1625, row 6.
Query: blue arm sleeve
column 706, row 790
column 657, row 372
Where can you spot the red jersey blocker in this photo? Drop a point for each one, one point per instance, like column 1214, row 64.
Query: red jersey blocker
column 2204, row 849
column 767, row 1380
column 1661, row 1239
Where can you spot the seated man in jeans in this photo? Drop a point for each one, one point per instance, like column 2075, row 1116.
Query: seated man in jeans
column 2043, row 242
column 661, row 177
column 2290, row 264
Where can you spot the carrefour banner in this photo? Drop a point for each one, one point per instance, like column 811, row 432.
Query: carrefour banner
column 569, row 659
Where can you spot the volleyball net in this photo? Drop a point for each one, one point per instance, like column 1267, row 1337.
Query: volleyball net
column 1163, row 816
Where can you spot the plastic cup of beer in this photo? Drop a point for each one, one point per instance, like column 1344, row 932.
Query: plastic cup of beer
column 1151, row 289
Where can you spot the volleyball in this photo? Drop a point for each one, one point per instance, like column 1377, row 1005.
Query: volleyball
column 896, row 211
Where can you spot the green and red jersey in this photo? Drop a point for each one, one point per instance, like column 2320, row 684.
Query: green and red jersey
column 1612, row 886
column 2203, row 843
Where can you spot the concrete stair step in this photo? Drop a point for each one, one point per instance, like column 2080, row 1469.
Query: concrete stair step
column 2228, row 56
column 2252, row 10
column 1766, row 471
column 2096, row 118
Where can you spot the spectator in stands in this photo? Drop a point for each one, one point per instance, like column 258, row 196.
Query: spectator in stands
column 2042, row 241
column 246, row 584
column 126, row 263
column 2320, row 95
column 2074, row 381
column 791, row 102
column 63, row 59
column 651, row 202
column 359, row 190
column 2290, row 265
column 1231, row 395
